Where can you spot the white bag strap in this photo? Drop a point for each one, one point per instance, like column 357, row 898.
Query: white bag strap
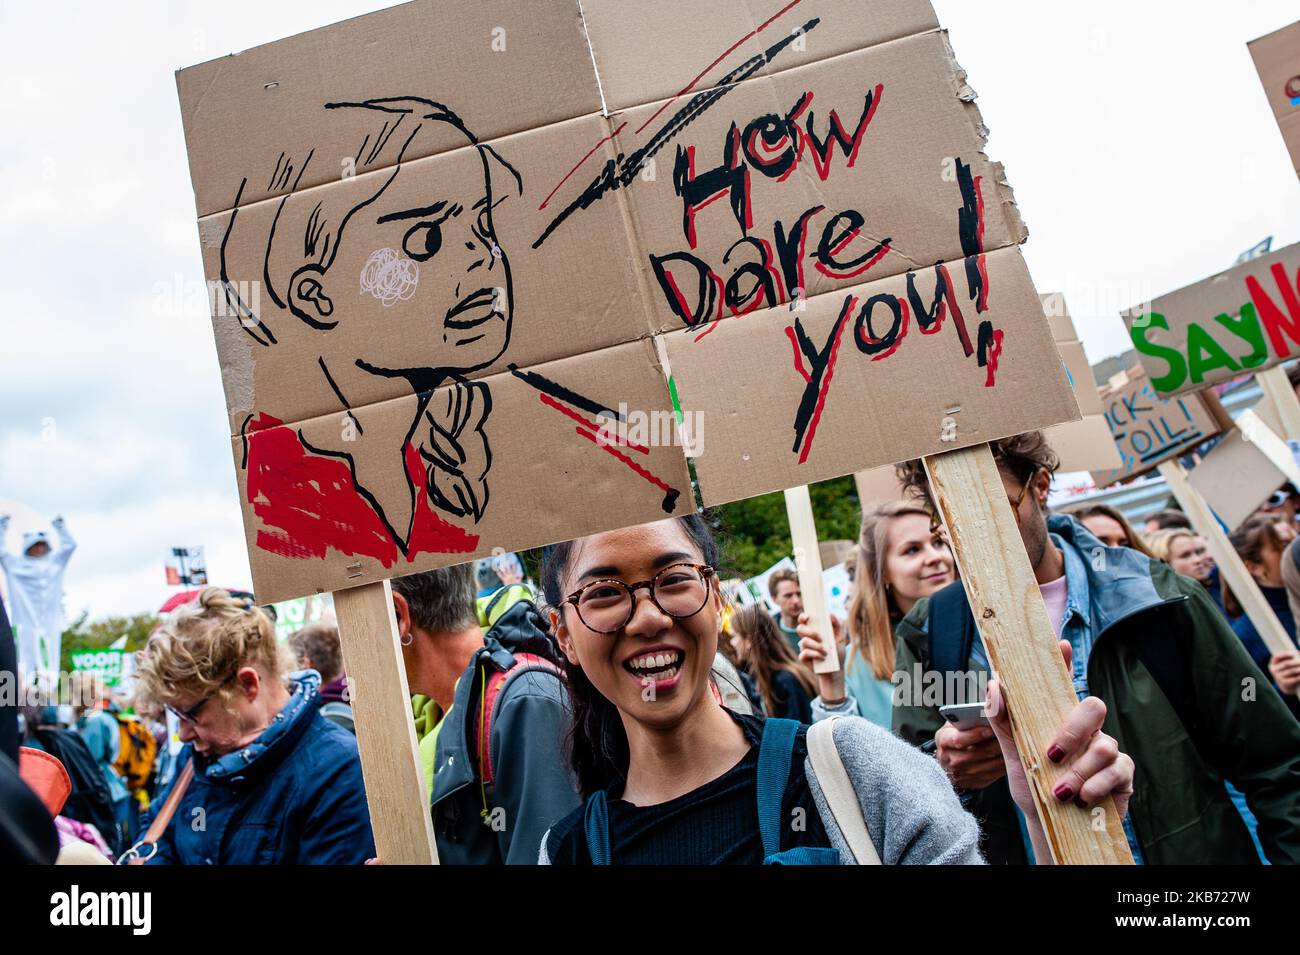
column 838, row 790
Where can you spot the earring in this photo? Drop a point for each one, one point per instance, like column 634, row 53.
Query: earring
column 407, row 640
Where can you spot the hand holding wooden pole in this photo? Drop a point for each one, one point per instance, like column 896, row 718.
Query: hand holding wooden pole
column 1021, row 645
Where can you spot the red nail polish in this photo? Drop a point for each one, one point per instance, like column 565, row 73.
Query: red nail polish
column 1064, row 792
column 1055, row 753
column 1078, row 801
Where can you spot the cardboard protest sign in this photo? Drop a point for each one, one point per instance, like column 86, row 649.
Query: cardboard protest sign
column 1235, row 478
column 1148, row 429
column 1086, row 444
column 1277, row 58
column 1244, row 319
column 442, row 238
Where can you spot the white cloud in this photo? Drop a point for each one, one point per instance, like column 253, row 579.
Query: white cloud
column 1136, row 137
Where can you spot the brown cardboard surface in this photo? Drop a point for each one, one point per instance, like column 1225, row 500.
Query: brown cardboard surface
column 878, row 486
column 501, row 205
column 390, row 311
column 1235, row 478
column 242, row 112
column 769, row 426
column 1277, row 58
column 633, row 71
column 1244, row 319
column 1147, row 428
column 529, row 466
column 1058, row 317
column 1083, row 445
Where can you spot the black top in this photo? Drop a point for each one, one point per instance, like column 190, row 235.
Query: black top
column 716, row 824
column 792, row 700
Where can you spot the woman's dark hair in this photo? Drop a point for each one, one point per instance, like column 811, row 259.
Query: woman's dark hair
column 596, row 742
column 1133, row 540
column 1249, row 541
column 767, row 654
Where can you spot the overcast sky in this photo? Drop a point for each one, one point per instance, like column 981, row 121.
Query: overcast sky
column 1135, row 134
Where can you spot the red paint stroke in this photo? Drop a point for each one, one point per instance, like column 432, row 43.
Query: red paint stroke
column 683, row 92
column 849, row 305
column 983, row 303
column 606, row 434
column 310, row 504
column 829, row 272
column 839, row 246
column 626, row 460
column 994, row 352
column 905, row 314
column 822, row 160
column 551, row 194
column 731, row 49
column 958, row 320
column 717, row 282
column 798, row 356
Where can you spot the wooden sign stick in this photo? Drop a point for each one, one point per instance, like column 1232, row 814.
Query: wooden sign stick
column 381, row 704
column 1231, row 569
column 1266, row 440
column 808, row 562
column 1277, row 387
column 1021, row 645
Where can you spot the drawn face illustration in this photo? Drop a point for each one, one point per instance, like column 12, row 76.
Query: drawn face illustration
column 427, row 249
column 406, row 264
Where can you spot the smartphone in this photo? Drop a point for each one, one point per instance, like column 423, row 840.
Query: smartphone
column 965, row 716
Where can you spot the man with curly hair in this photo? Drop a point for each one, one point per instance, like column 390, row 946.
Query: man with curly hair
column 1179, row 689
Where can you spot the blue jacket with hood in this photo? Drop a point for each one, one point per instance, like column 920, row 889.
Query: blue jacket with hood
column 293, row 796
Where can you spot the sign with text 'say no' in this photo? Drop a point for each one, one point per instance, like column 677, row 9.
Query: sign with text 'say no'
column 1244, row 319
column 455, row 244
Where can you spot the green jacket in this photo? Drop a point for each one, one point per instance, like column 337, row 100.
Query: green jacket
column 1181, row 811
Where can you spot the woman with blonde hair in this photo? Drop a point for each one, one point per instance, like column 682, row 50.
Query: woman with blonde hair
column 902, row 556
column 273, row 780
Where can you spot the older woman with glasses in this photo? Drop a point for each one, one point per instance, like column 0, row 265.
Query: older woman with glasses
column 263, row 777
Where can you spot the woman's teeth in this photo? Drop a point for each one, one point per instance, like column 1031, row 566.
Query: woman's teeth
column 663, row 665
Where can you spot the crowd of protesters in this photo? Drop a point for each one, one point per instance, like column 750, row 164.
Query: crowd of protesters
column 624, row 713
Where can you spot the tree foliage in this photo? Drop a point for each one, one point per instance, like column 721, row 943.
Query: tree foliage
column 83, row 634
column 755, row 533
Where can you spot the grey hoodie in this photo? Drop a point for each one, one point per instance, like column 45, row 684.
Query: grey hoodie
column 911, row 811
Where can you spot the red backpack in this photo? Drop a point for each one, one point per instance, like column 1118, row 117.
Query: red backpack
column 487, row 708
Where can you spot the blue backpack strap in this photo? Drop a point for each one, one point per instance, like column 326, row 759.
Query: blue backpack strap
column 774, row 754
column 595, row 823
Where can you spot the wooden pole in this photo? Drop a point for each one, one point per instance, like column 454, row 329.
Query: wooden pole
column 1266, row 440
column 400, row 815
column 808, row 562
column 1021, row 645
column 1232, row 571
column 1277, row 387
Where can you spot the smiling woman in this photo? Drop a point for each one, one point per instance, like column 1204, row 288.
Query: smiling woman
column 671, row 776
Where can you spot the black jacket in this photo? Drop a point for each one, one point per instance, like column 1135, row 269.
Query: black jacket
column 476, row 824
